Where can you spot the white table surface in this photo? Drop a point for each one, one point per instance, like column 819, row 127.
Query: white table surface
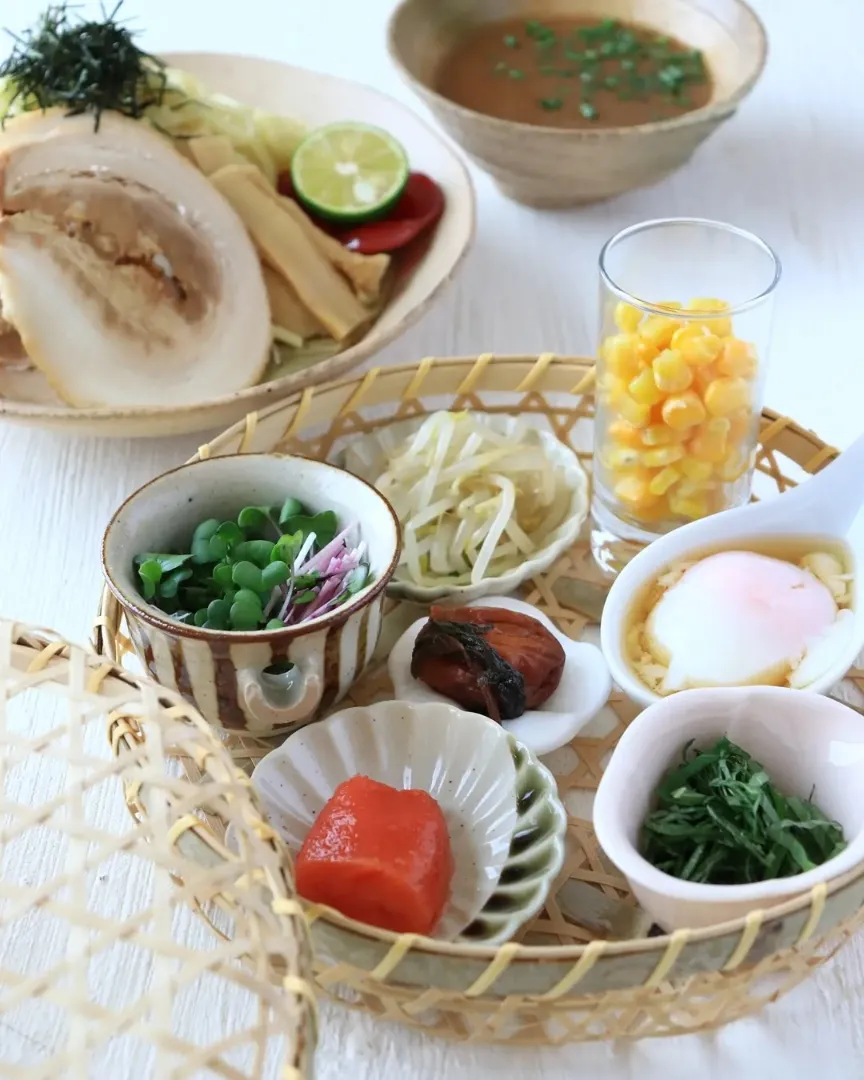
column 790, row 167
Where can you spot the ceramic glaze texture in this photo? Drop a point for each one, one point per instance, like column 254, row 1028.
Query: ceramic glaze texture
column 215, row 672
column 806, row 743
column 504, row 818
column 223, row 673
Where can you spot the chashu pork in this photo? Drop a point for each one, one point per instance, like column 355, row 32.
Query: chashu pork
column 128, row 277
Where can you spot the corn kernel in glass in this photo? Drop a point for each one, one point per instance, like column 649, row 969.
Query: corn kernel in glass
column 689, row 377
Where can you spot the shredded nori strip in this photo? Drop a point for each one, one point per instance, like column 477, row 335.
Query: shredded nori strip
column 86, row 66
column 502, row 685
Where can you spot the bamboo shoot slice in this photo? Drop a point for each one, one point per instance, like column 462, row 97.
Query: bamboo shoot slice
column 287, row 248
column 365, row 272
column 212, row 152
column 287, row 309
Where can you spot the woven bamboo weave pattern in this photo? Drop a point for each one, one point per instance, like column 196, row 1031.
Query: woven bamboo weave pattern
column 577, row 972
column 115, row 992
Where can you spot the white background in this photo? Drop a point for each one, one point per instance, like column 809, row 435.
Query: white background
column 790, row 166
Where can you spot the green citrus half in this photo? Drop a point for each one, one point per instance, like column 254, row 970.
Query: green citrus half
column 349, row 172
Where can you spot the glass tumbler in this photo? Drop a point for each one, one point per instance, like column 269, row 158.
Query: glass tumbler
column 686, row 309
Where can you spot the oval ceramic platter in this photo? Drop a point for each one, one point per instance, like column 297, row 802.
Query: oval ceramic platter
column 313, row 99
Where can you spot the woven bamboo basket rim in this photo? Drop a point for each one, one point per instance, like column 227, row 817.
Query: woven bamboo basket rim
column 34, row 658
column 463, row 378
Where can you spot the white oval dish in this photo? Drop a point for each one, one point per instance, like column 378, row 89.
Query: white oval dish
column 491, row 790
column 367, row 457
column 803, row 740
column 584, row 688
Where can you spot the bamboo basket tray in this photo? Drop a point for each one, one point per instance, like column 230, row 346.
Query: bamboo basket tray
column 94, row 988
column 566, row 978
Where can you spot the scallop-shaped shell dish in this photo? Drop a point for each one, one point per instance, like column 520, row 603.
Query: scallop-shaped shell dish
column 368, row 455
column 504, row 818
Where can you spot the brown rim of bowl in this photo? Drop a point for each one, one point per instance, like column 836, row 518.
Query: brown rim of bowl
column 718, row 109
column 153, row 617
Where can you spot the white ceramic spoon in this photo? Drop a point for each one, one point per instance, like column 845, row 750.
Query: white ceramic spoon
column 825, row 506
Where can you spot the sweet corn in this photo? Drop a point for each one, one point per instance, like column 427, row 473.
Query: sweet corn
column 633, row 489
column 697, row 344
column 688, row 488
column 726, row 395
column 620, row 356
column 692, row 508
column 734, row 465
column 627, row 317
column 661, row 456
column 621, row 457
column 721, row 327
column 658, row 330
column 703, row 377
column 671, row 372
column 700, row 471
column 632, row 412
column 664, row 480
column 644, row 388
column 623, row 434
column 682, row 411
column 710, row 441
column 660, row 435
column 741, row 426
column 737, row 358
column 645, row 352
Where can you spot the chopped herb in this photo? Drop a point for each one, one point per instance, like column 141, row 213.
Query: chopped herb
column 249, row 574
column 607, row 56
column 719, row 820
column 85, row 65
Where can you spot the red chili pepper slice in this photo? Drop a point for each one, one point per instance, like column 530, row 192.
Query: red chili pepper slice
column 420, row 206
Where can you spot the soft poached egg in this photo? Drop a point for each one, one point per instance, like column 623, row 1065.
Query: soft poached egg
column 738, row 618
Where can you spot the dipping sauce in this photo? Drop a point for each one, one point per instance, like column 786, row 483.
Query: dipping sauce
column 744, row 617
column 574, row 73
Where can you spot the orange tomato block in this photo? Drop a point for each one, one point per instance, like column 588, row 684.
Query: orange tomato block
column 379, row 855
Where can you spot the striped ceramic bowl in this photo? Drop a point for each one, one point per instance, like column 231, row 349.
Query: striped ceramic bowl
column 225, row 674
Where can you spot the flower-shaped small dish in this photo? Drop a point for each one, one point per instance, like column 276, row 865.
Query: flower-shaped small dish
column 584, row 688
column 369, row 455
column 504, row 818
column 809, row 746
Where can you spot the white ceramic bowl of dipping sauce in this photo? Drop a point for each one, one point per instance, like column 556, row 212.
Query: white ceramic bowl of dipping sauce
column 805, row 743
column 692, row 542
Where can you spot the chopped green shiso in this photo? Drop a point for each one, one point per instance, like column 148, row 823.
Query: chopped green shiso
column 269, row 568
column 719, row 820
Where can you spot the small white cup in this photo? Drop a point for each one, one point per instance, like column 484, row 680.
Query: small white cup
column 803, row 740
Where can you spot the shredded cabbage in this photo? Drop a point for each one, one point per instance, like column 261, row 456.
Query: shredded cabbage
column 188, row 109
column 473, row 502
